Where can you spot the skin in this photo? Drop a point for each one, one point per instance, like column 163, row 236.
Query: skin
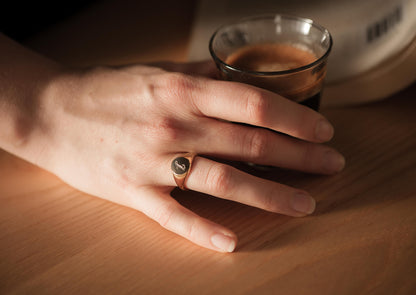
column 113, row 132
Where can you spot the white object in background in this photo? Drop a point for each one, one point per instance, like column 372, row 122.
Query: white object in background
column 368, row 36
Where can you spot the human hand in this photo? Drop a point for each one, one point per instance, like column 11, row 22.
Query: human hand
column 113, row 132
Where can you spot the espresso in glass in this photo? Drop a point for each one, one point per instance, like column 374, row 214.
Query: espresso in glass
column 283, row 54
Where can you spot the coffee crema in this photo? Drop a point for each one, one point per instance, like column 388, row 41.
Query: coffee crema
column 259, row 65
column 270, row 57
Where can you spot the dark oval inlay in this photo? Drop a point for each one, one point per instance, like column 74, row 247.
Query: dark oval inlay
column 180, row 165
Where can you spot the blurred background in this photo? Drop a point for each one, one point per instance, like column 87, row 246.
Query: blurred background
column 374, row 53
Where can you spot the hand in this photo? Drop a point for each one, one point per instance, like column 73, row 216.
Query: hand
column 113, row 132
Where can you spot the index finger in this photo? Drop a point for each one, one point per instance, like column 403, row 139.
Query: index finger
column 238, row 102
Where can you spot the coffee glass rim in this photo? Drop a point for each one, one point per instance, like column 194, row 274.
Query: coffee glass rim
column 272, row 73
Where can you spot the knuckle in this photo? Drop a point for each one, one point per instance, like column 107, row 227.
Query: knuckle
column 257, row 107
column 171, row 218
column 163, row 131
column 307, row 156
column 271, row 200
column 177, row 84
column 257, row 143
column 177, row 89
column 163, row 215
column 220, row 179
column 191, row 231
column 176, row 80
column 167, row 129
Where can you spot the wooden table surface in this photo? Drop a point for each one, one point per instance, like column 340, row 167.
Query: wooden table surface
column 361, row 240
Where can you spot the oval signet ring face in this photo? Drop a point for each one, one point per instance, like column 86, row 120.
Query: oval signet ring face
column 180, row 167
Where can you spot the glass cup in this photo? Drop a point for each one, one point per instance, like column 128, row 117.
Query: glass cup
column 284, row 54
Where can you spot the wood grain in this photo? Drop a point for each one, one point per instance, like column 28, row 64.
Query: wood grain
column 361, row 240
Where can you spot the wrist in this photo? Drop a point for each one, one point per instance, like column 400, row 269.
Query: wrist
column 25, row 78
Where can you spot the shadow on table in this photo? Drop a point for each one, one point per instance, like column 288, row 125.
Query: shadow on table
column 369, row 164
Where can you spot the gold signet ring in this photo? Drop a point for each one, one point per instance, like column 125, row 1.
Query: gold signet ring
column 180, row 166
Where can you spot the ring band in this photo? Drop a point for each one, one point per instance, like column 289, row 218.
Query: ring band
column 180, row 167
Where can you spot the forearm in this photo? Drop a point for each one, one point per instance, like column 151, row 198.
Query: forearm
column 24, row 78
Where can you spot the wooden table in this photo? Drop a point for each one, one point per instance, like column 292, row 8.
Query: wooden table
column 361, row 240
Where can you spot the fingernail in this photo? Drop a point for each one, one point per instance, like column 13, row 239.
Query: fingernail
column 223, row 242
column 324, row 130
column 333, row 161
column 303, row 203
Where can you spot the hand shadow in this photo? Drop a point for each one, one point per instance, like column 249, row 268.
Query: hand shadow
column 256, row 229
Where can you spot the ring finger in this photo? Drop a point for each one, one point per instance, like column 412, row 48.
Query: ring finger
column 229, row 183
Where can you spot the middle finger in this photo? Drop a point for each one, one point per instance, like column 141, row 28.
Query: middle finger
column 262, row 146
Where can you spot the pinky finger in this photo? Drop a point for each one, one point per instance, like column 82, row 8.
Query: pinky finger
column 161, row 207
